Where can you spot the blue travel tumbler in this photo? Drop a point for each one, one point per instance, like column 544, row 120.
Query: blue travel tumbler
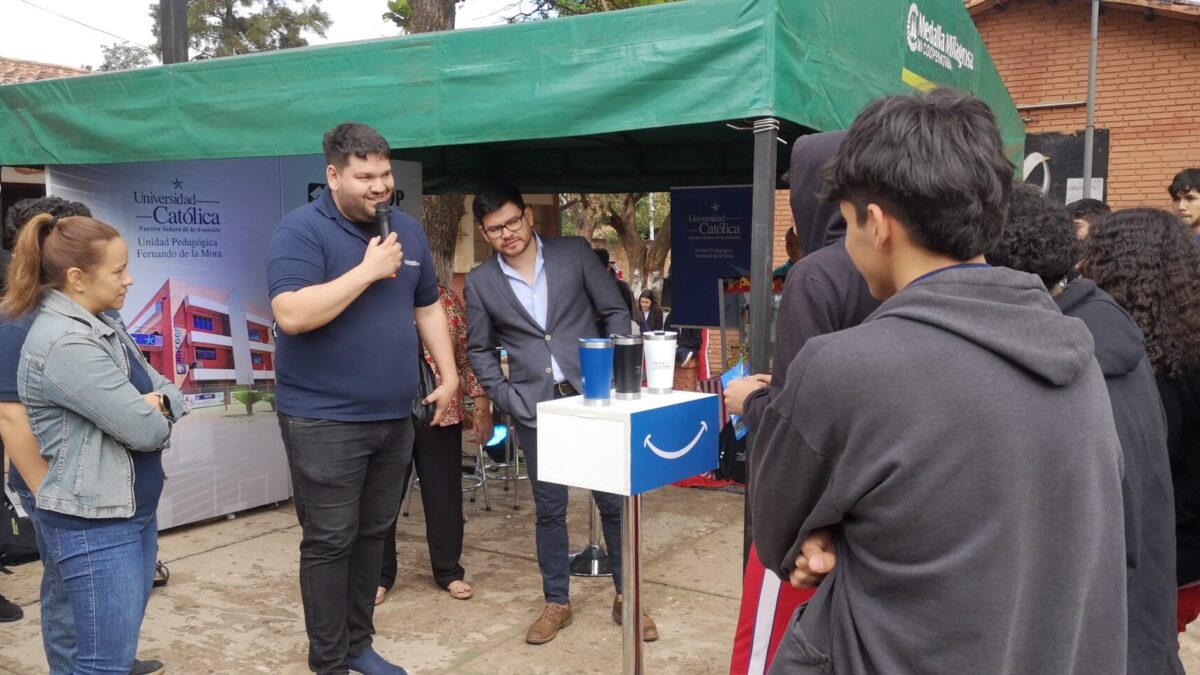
column 596, row 364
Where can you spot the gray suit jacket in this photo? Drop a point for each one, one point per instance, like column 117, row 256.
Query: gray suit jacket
column 579, row 290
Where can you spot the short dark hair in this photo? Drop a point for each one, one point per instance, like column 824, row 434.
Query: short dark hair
column 352, row 138
column 935, row 162
column 1188, row 179
column 602, row 254
column 23, row 211
column 493, row 196
column 1088, row 209
column 1039, row 237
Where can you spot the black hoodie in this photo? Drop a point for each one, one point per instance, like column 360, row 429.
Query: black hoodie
column 1181, row 399
column 823, row 292
column 966, row 460
column 1148, row 504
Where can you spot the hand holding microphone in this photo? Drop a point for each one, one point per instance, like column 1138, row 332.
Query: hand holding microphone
column 384, row 254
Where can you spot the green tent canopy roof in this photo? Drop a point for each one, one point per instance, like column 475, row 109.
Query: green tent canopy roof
column 632, row 100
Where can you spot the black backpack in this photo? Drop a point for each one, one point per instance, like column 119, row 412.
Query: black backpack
column 18, row 543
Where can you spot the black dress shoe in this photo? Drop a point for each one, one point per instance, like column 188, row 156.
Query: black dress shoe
column 9, row 611
column 148, row 667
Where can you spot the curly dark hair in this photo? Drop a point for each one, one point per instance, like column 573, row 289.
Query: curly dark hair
column 1149, row 263
column 23, row 211
column 1039, row 237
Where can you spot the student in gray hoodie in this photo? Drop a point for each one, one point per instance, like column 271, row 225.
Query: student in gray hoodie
column 965, row 460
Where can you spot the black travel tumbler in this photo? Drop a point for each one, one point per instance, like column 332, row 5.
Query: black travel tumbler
column 627, row 366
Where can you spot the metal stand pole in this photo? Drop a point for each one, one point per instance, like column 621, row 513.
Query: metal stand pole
column 592, row 560
column 1089, row 134
column 631, row 608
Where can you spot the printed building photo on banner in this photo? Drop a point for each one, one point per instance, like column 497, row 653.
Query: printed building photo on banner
column 197, row 233
column 190, row 334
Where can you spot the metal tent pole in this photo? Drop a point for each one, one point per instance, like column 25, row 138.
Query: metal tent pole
column 766, row 137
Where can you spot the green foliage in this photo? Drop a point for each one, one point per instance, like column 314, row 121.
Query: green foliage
column 229, row 27
column 247, row 397
column 400, row 13
column 125, row 57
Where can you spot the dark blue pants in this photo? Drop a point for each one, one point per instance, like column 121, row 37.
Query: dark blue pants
column 553, row 546
column 346, row 479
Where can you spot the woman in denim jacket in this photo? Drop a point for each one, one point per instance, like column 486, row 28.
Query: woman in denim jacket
column 101, row 416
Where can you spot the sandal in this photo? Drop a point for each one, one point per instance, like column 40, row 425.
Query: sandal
column 460, row 590
column 161, row 575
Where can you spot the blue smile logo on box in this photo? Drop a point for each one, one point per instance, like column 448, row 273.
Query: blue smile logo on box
column 672, row 443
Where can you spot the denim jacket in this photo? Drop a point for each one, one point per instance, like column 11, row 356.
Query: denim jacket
column 74, row 381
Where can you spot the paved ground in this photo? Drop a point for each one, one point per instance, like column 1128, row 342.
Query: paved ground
column 233, row 605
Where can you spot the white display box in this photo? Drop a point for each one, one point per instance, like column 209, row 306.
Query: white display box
column 627, row 447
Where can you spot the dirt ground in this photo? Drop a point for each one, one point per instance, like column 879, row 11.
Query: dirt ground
column 233, row 604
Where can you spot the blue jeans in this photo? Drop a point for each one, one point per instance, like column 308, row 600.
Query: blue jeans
column 107, row 573
column 58, row 626
column 553, row 544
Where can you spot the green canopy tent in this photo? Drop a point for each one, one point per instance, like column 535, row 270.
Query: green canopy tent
column 689, row 93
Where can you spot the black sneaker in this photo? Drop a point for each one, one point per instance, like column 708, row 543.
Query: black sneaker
column 148, row 667
column 9, row 611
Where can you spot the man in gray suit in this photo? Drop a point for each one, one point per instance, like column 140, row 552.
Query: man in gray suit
column 535, row 298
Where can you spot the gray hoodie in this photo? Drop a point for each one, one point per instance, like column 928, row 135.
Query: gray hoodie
column 960, row 445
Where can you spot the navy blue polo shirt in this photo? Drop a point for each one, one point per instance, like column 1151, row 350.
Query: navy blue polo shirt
column 362, row 366
column 12, row 336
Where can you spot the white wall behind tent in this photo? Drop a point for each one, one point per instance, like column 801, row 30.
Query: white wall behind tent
column 197, row 233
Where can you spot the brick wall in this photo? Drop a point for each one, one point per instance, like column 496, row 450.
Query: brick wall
column 1145, row 92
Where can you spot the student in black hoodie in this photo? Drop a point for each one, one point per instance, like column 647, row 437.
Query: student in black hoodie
column 1147, row 261
column 964, row 456
column 823, row 293
column 1039, row 238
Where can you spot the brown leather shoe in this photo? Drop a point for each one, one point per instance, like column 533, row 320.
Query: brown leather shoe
column 553, row 617
column 649, row 628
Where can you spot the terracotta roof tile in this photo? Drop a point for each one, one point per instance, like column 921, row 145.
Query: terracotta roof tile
column 16, row 70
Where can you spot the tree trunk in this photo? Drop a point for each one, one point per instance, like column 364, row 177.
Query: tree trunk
column 429, row 16
column 441, row 212
column 646, row 258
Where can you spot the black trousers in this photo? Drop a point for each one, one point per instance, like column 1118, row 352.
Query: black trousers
column 346, row 478
column 437, row 457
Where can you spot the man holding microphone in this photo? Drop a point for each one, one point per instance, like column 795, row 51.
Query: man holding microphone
column 346, row 301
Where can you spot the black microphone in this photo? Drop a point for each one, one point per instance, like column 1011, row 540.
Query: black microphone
column 383, row 220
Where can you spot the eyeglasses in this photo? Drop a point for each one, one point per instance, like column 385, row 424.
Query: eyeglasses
column 512, row 225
